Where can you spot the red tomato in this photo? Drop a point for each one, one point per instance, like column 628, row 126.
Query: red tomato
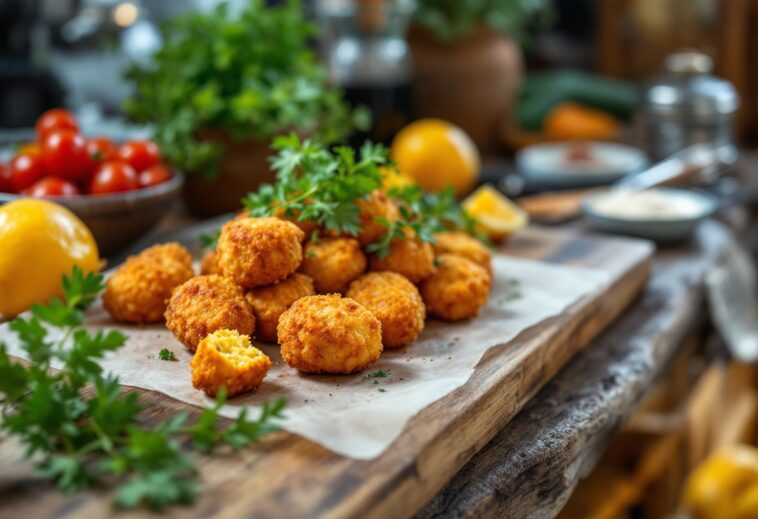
column 24, row 170
column 5, row 185
column 55, row 119
column 102, row 149
column 113, row 177
column 52, row 186
column 140, row 154
column 65, row 155
column 154, row 175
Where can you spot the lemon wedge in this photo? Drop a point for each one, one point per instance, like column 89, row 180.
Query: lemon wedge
column 497, row 216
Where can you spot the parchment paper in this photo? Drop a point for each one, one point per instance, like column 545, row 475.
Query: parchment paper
column 356, row 416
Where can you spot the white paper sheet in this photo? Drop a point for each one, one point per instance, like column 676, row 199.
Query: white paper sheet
column 353, row 415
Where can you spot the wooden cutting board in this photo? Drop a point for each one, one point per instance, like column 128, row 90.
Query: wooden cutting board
column 288, row 476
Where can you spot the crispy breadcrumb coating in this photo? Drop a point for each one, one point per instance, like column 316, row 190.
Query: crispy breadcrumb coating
column 333, row 263
column 462, row 244
column 270, row 302
column 457, row 290
column 393, row 300
column 139, row 289
column 205, row 304
column 376, row 205
column 259, row 251
column 329, row 334
column 227, row 359
column 209, row 264
column 409, row 256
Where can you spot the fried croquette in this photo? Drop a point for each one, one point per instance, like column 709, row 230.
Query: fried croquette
column 227, row 359
column 205, row 304
column 457, row 290
column 269, row 302
column 209, row 264
column 259, row 251
column 393, row 300
column 408, row 256
column 139, row 289
column 333, row 263
column 329, row 334
column 462, row 244
column 376, row 205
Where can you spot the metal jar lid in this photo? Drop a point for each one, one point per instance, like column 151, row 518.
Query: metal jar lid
column 689, row 89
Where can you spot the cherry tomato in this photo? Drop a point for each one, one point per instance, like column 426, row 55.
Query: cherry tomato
column 55, row 119
column 140, row 154
column 102, row 149
column 5, row 185
column 24, row 170
column 154, row 175
column 52, row 186
column 113, row 177
column 65, row 155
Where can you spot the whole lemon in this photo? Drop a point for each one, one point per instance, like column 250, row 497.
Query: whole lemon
column 437, row 154
column 39, row 242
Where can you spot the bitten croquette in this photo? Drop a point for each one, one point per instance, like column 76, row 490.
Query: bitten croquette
column 270, row 302
column 227, row 359
column 408, row 256
column 393, row 300
column 376, row 205
column 329, row 334
column 333, row 263
column 205, row 304
column 138, row 290
column 259, row 251
column 457, row 290
column 462, row 244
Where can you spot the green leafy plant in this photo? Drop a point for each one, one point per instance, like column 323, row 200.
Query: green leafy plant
column 81, row 429
column 250, row 74
column 449, row 20
column 314, row 183
column 166, row 354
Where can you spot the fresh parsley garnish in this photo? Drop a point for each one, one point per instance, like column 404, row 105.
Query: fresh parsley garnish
column 166, row 354
column 210, row 241
column 380, row 373
column 101, row 438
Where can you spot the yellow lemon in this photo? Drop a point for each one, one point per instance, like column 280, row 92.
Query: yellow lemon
column 394, row 178
column 496, row 216
column 437, row 154
column 39, row 242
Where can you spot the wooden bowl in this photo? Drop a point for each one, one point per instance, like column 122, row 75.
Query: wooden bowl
column 119, row 219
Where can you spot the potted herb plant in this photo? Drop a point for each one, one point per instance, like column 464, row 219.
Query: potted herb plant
column 467, row 60
column 222, row 86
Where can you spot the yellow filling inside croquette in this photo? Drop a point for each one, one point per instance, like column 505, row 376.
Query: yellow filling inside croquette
column 235, row 347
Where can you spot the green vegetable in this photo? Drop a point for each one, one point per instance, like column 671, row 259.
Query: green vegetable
column 251, row 75
column 379, row 373
column 450, row 20
column 80, row 441
column 166, row 354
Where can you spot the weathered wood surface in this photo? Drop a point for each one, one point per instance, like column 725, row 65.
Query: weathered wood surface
column 291, row 477
column 530, row 468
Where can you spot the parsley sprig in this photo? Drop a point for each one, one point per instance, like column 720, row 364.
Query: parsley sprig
column 79, row 425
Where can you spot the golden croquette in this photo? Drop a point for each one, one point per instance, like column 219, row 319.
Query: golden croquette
column 408, row 256
column 333, row 263
column 259, row 251
column 138, row 290
column 205, row 304
column 227, row 359
column 270, row 302
column 393, row 300
column 463, row 244
column 457, row 290
column 209, row 264
column 329, row 334
column 376, row 205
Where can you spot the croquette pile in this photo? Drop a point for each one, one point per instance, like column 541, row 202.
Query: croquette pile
column 332, row 305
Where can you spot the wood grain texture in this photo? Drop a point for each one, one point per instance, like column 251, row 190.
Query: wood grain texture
column 531, row 467
column 288, row 476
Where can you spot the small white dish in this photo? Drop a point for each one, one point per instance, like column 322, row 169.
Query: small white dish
column 579, row 164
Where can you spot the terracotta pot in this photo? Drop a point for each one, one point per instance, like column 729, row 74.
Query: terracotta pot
column 244, row 166
column 472, row 82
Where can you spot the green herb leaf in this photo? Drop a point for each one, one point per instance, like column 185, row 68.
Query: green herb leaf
column 166, row 354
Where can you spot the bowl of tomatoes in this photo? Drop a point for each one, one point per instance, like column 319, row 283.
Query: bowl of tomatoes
column 120, row 190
